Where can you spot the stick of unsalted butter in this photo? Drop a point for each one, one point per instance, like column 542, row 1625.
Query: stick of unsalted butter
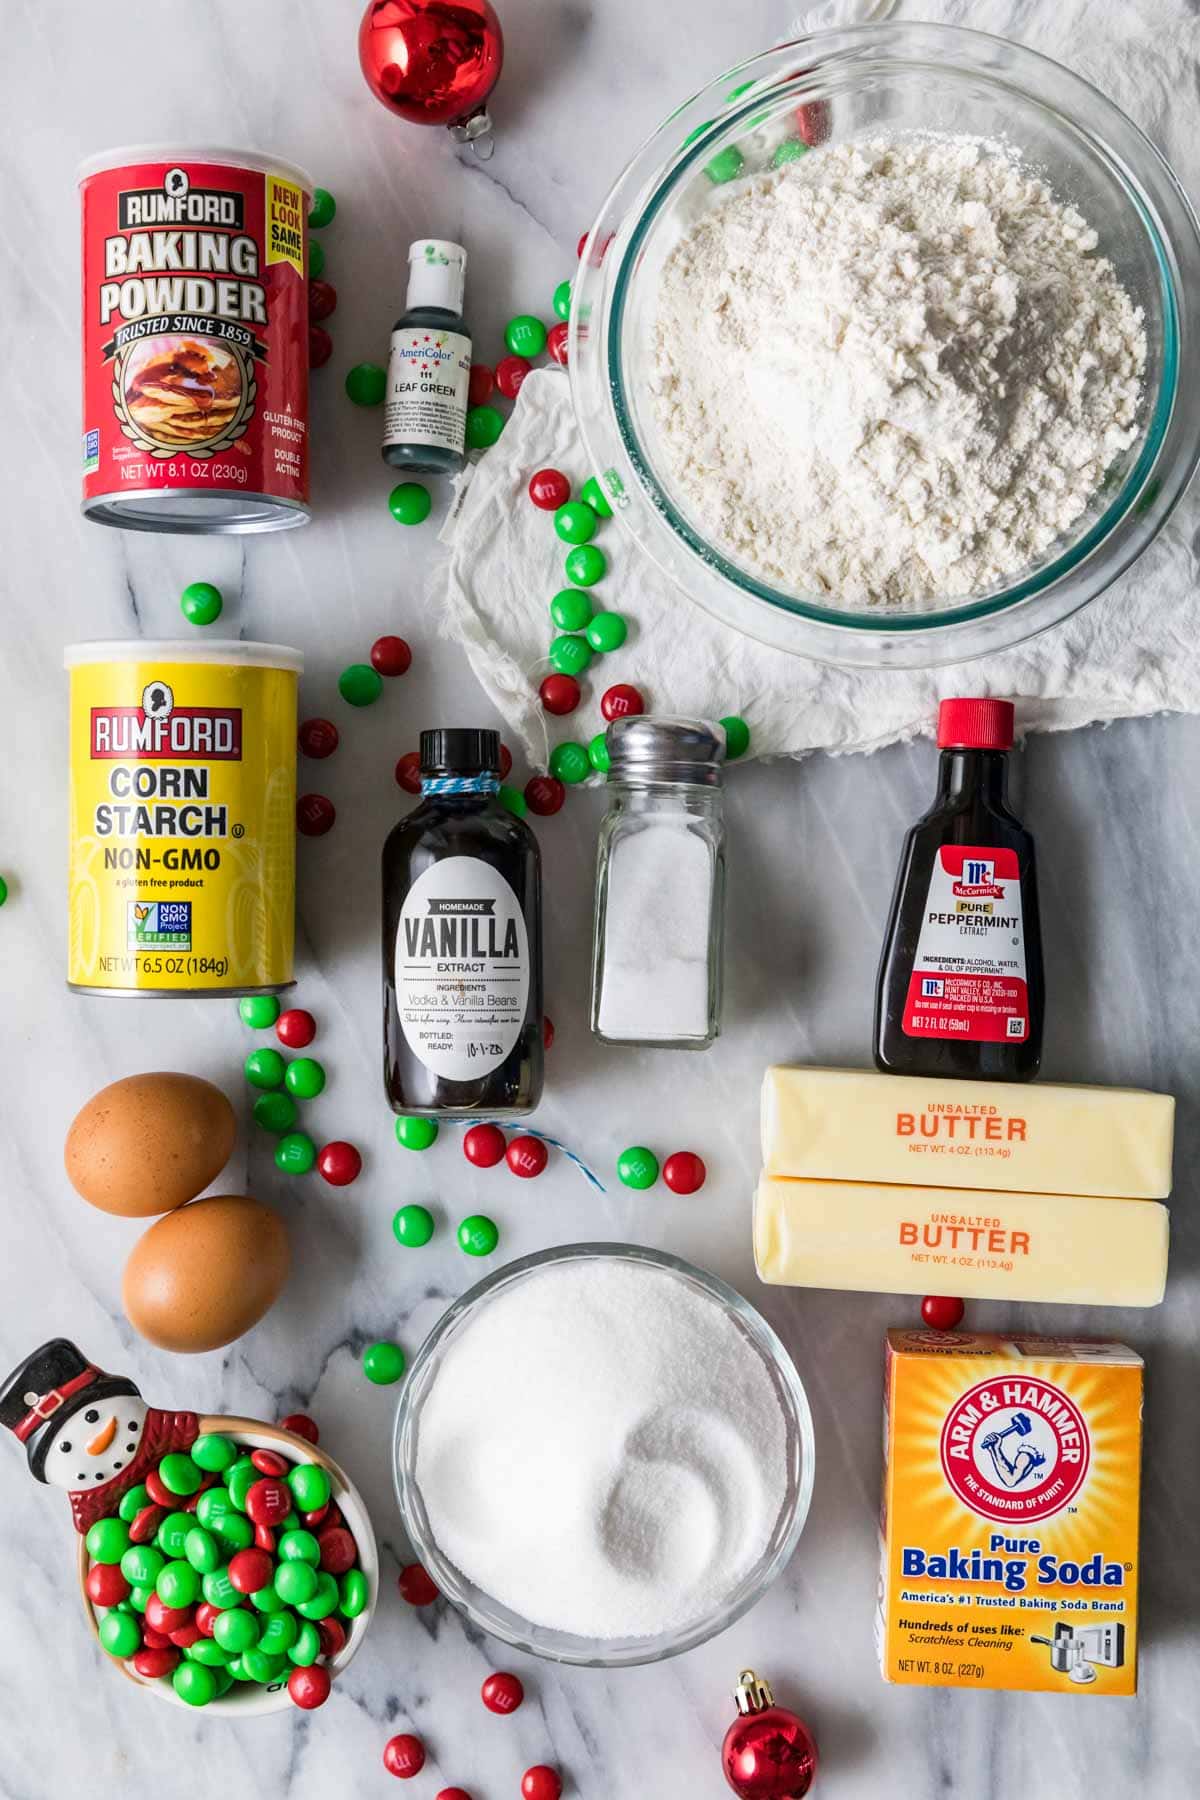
column 1077, row 1249
column 851, row 1125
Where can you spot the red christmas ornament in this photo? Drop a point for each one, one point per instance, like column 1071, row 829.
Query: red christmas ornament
column 318, row 738
column 622, row 702
column 549, row 489
column 510, row 373
column 556, row 342
column 339, row 1163
column 526, row 1157
column 404, row 1756
column 300, row 1425
column 391, row 656
column 484, row 1145
column 942, row 1312
column 408, row 772
column 544, row 795
column 768, row 1753
column 560, row 694
column 417, row 1586
column 434, row 62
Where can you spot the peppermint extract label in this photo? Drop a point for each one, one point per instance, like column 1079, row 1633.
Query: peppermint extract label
column 462, row 968
column 968, row 979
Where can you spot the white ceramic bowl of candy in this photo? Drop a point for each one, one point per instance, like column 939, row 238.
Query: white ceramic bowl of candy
column 225, row 1680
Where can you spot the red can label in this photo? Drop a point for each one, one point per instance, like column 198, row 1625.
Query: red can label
column 195, row 333
column 968, row 979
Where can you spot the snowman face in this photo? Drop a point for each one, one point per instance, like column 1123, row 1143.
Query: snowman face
column 96, row 1443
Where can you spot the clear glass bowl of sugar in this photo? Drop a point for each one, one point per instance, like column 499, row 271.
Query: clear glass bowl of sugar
column 902, row 77
column 641, row 1495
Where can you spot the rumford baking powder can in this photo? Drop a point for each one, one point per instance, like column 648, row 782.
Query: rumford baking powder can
column 182, row 817
column 195, row 340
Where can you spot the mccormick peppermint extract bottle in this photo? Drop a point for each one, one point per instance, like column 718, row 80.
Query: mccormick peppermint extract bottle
column 462, row 941
column 429, row 365
column 960, row 982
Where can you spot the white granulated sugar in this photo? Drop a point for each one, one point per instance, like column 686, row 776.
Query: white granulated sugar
column 656, row 926
column 602, row 1451
column 894, row 370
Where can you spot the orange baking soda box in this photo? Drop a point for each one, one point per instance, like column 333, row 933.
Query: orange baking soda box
column 1009, row 1525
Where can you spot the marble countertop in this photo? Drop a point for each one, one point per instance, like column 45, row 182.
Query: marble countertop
column 813, row 849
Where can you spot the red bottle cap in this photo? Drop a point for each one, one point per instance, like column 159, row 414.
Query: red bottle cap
column 975, row 725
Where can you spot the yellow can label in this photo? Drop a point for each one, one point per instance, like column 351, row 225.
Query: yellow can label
column 1012, row 1469
column 183, row 809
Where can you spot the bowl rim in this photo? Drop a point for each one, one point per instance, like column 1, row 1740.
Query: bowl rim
column 569, row 1647
column 973, row 55
column 258, row 1702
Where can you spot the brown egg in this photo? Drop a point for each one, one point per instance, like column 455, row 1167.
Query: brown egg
column 205, row 1274
column 148, row 1143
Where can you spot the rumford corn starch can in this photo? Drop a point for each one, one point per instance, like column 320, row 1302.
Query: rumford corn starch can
column 182, row 817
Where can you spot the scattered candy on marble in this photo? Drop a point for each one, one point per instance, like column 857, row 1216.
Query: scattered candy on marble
column 621, row 702
column 265, row 1068
column 684, row 1172
column 571, row 609
column 525, row 335
column 484, row 425
column 275, row 1112
column 586, row 565
column 544, row 795
column 409, row 503
column 320, row 346
column 295, row 1153
column 547, row 1031
column 737, row 737
column 339, row 1163
column 637, row 1167
column 383, row 1363
column 412, row 1225
column 417, row 1586
column 598, row 753
column 484, row 1145
column 258, row 1011
column 558, row 342
column 569, row 762
column 391, row 656
column 322, row 210
column 502, row 1692
column 597, row 499
column 360, row 684
column 478, row 1235
column 560, row 694
column 317, row 738
column 549, row 489
column 575, row 522
column 607, row 631
column 541, row 1783
column 366, row 383
column 942, row 1312
column 570, row 655
column 300, row 1425
column 295, row 1027
column 200, row 603
column 322, row 300
column 404, row 1756
column 526, row 1157
column 415, row 1132
column 510, row 373
column 315, row 815
column 562, row 300
column 513, row 800
column 304, row 1078
column 480, row 384
column 408, row 772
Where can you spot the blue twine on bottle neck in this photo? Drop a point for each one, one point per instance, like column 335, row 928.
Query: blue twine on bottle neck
column 486, row 783
column 520, row 1129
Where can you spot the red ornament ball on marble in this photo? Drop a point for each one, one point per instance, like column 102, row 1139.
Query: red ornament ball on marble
column 510, row 373
column 429, row 62
column 544, row 795
column 417, row 1586
column 684, row 1172
column 541, row 1783
column 314, row 817
column 484, row 1145
column 322, row 299
column 621, row 702
column 769, row 1755
column 560, row 694
column 480, row 384
column 295, row 1028
column 547, row 1031
column 320, row 346
column 557, row 342
column 942, row 1312
column 391, row 656
column 302, row 1426
column 526, row 1157
column 339, row 1163
column 502, row 1692
column 549, row 489
column 317, row 738
column 310, row 1687
column 404, row 1756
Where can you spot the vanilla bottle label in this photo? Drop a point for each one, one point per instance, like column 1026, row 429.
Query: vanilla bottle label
column 968, row 979
column 428, row 376
column 462, row 968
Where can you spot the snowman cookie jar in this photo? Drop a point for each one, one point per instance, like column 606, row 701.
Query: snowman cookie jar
column 225, row 1563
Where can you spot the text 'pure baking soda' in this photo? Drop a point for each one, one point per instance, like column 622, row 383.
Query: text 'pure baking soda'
column 1009, row 1528
column 182, row 817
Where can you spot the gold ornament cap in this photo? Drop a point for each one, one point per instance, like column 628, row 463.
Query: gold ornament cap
column 752, row 1694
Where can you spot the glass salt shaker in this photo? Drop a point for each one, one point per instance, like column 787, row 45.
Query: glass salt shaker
column 660, row 886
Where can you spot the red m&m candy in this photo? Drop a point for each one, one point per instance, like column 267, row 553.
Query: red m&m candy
column 157, row 1640
column 544, row 795
column 322, row 299
column 314, row 817
column 480, row 384
column 547, row 1031
column 391, row 656
column 332, row 1635
column 301, row 1426
column 268, row 1462
column 541, row 1783
column 146, row 1522
column 408, row 772
column 557, row 342
column 206, row 1617
column 164, row 1618
column 484, row 1145
column 295, row 1028
column 317, row 738
column 622, row 702
column 337, row 1550
column 339, row 1163
column 106, row 1584
column 264, row 1539
column 502, row 1692
column 404, row 1756
column 559, row 694
column 549, row 489
column 310, row 1687
column 942, row 1312
column 452, row 1794
column 320, row 346
column 505, row 762
column 267, row 1502
column 186, row 1636
column 510, row 373
column 417, row 1586
column 526, row 1157
column 250, row 1570
column 153, row 1663
column 159, row 1492
column 684, row 1172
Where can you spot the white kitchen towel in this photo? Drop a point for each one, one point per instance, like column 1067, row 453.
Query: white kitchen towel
column 1132, row 652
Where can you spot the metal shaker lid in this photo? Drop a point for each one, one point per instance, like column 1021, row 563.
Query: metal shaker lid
column 647, row 749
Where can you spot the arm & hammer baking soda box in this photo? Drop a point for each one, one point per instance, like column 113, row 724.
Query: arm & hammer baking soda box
column 1009, row 1525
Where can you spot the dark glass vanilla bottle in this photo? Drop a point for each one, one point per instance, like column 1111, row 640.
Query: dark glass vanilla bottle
column 462, row 941
column 961, row 989
column 429, row 365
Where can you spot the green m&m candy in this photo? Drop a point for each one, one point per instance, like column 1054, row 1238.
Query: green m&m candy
column 791, row 150
column 258, row 1011
column 737, row 737
column 208, row 1651
column 139, row 1598
column 525, row 335
column 178, row 1584
column 265, row 1069
column 409, row 503
column 415, row 1133
column 607, row 631
column 310, row 1486
column 570, row 655
column 360, row 684
column 478, row 1235
column 571, row 609
column 413, row 1226
column 307, row 1647
column 366, row 384
column 120, row 1634
column 236, row 1630
column 141, row 1565
column 305, row 1078
column 195, row 1684
column 598, row 753
column 107, row 1540
column 726, row 165
column 299, row 1546
column 202, row 1550
column 569, row 762
column 596, row 498
column 562, row 300
column 295, row 1153
column 200, row 603
column 575, row 522
column 295, row 1582
column 275, row 1111
column 586, row 565
column 281, row 1629
column 214, row 1453
column 638, row 1167
column 260, row 1666
column 240, row 1479
column 355, row 1592
column 323, row 207
column 133, row 1502
column 172, row 1534
column 512, row 800
column 326, row 1600
column 316, row 260
column 382, row 1363
column 484, row 425
column 180, row 1474
column 266, row 1600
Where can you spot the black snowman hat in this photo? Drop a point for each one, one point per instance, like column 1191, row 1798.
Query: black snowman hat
column 49, row 1388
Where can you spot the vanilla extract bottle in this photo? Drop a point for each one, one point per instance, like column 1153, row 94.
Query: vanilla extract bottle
column 462, row 941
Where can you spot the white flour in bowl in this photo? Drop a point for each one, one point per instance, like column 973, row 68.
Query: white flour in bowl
column 893, row 370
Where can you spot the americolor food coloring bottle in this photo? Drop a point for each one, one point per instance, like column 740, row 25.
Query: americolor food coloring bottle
column 960, row 988
column 462, row 941
column 429, row 366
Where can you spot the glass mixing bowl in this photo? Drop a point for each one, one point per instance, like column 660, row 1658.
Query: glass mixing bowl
column 500, row 1621
column 896, row 77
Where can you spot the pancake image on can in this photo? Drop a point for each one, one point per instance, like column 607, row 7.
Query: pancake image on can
column 195, row 341
column 182, row 817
